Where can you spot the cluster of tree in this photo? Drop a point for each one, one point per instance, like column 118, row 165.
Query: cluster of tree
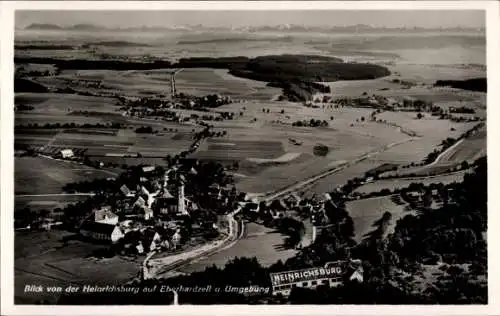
column 311, row 123
column 20, row 127
column 321, row 150
column 23, row 107
column 476, row 84
column 208, row 101
column 462, row 110
column 445, row 144
column 42, row 47
column 96, row 185
column 455, row 232
column 79, row 64
column 25, row 85
column 296, row 90
column 144, row 130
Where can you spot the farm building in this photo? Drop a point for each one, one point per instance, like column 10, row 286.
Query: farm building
column 165, row 205
column 104, row 215
column 101, row 231
column 67, row 153
column 140, row 202
column 126, row 191
column 150, row 239
column 145, row 213
column 148, row 169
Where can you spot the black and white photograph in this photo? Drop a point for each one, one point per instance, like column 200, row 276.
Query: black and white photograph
column 249, row 157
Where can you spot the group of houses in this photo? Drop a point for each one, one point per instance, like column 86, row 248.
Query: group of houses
column 147, row 220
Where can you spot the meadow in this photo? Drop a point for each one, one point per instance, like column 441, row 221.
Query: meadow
column 204, row 81
column 50, row 175
column 62, row 104
column 261, row 242
column 56, row 258
column 46, row 202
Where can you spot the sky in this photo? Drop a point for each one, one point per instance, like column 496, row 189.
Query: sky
column 385, row 18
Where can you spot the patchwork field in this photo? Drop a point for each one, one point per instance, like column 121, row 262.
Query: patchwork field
column 203, row 81
column 263, row 243
column 392, row 184
column 367, row 211
column 38, row 175
column 107, row 142
column 110, row 82
column 233, row 149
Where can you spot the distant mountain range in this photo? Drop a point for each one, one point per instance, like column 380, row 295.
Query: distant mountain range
column 282, row 28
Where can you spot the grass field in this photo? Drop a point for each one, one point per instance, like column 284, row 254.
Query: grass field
column 59, row 103
column 56, row 258
column 38, row 175
column 367, row 211
column 263, row 243
column 392, row 184
column 468, row 150
column 330, row 183
column 37, row 203
column 42, row 119
column 203, row 81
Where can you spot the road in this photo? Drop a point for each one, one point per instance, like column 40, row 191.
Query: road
column 297, row 186
column 172, row 82
column 154, row 268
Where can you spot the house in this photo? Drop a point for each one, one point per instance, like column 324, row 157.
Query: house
column 105, row 216
column 126, row 191
column 48, row 223
column 176, row 238
column 277, row 205
column 67, row 153
column 148, row 169
column 166, row 205
column 101, row 231
column 253, row 207
column 144, row 191
column 146, row 213
column 193, row 171
column 140, row 202
column 150, row 240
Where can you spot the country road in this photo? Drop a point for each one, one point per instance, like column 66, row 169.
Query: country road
column 153, row 268
column 297, row 186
